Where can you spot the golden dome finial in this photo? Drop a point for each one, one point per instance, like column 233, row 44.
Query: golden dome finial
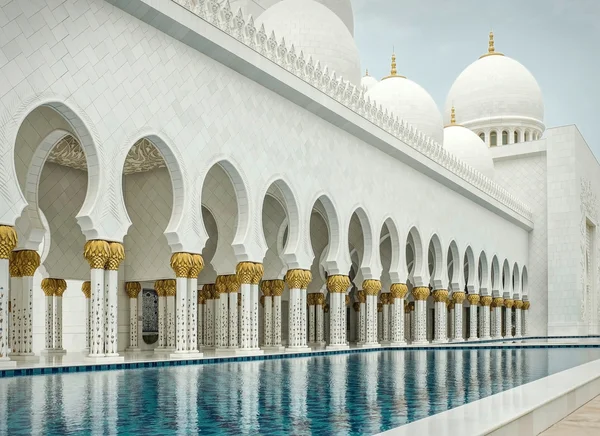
column 452, row 118
column 491, row 48
column 393, row 71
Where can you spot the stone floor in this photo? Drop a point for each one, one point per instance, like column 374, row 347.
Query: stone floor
column 585, row 421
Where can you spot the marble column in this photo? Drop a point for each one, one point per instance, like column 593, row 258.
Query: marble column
column 518, row 307
column 452, row 324
column 192, row 300
column 49, row 288
column 16, row 287
column 407, row 319
column 265, row 287
column 8, row 241
column 508, row 303
column 249, row 275
column 312, row 324
column 473, row 301
column 159, row 287
column 221, row 314
column 181, row 263
column 170, row 289
column 371, row 289
column 201, row 310
column 398, row 292
column 420, row 294
column 233, row 286
column 209, row 319
column 362, row 320
column 277, row 287
column 385, row 317
column 498, row 303
column 379, row 322
column 525, row 315
column 28, row 261
column 297, row 281
column 492, row 319
column 61, row 287
column 320, row 318
column 86, row 288
column 458, row 299
column 440, row 296
column 133, row 289
column 337, row 286
column 486, row 301
column 111, row 286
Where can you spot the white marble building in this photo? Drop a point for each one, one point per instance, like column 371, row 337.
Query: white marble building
column 213, row 180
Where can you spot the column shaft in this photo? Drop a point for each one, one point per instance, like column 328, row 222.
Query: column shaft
column 49, row 318
column 277, row 320
column 233, row 319
column 386, row 321
column 312, row 325
column 162, row 303
column 268, row 321
column 192, row 320
column 458, row 322
column 246, row 326
column 88, row 323
column 320, row 322
column 133, row 327
column 16, row 289
column 111, row 336
column 170, row 321
column 97, row 285
column 363, row 322
column 58, row 305
column 181, row 314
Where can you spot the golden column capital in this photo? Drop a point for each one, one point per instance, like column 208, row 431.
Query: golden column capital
column 133, row 289
column 14, row 268
column 181, row 263
column 28, row 261
column 159, row 287
column 61, row 287
column 458, row 297
column 338, row 284
column 518, row 304
column 526, row 305
column 406, row 307
column 383, row 298
column 8, row 241
column 379, row 307
column 233, row 283
column 298, row 278
column 498, row 302
column 451, row 305
column 259, row 270
column 170, row 288
column 207, row 289
column 117, row 254
column 508, row 303
column 420, row 293
column 86, row 288
column 249, row 273
column 473, row 299
column 486, row 300
column 356, row 307
column 277, row 287
column 362, row 297
column 201, row 296
column 262, row 300
column 220, row 286
column 48, row 287
column 399, row 290
column 440, row 295
column 197, row 266
column 96, row 252
column 326, row 308
column 371, row 286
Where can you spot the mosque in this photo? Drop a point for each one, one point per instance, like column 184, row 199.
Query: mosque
column 191, row 175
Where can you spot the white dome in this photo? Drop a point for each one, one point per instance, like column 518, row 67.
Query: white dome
column 496, row 89
column 410, row 103
column 318, row 32
column 342, row 8
column 468, row 147
column 367, row 82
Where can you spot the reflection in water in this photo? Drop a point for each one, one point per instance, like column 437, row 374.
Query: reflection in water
column 361, row 393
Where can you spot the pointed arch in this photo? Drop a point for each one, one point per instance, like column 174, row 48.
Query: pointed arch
column 516, row 279
column 436, row 263
column 469, row 271
column 524, row 281
column 495, row 274
column 506, row 277
column 414, row 257
column 454, row 273
column 396, row 261
column 484, row 275
column 367, row 266
column 325, row 206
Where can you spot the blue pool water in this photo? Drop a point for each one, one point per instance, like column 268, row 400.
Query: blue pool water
column 343, row 394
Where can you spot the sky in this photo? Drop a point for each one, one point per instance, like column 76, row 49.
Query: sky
column 557, row 40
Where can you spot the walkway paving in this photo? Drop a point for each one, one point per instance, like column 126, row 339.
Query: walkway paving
column 585, row 421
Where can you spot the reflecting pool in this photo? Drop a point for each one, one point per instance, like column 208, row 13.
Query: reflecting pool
column 343, row 394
